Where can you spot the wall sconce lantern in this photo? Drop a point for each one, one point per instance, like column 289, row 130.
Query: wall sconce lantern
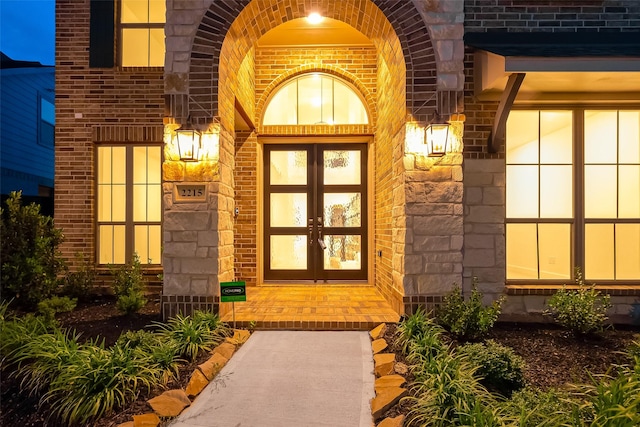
column 189, row 142
column 436, row 137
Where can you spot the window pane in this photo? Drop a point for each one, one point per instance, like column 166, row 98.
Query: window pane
column 141, row 243
column 134, row 11
column 628, row 251
column 629, row 137
column 155, row 244
column 154, row 202
column 47, row 111
column 118, row 203
column 556, row 137
column 105, row 251
column 600, row 136
column 104, row 203
column 282, row 109
column 140, row 203
column 342, row 210
column 309, row 100
column 556, row 192
column 156, row 47
column 522, row 192
column 522, row 137
column 342, row 167
column 288, row 252
column 104, row 165
column 327, row 101
column 139, row 165
column 154, row 165
column 119, row 244
column 599, row 253
column 157, row 11
column 118, row 165
column 135, row 47
column 288, row 168
column 522, row 251
column 600, row 191
column 555, row 251
column 349, row 108
column 342, row 252
column 629, row 192
column 288, row 210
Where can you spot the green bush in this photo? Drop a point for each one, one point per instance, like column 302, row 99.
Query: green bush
column 535, row 408
column 412, row 328
column 78, row 284
column 128, row 286
column 201, row 331
column 31, row 261
column 468, row 320
column 54, row 305
column 582, row 310
column 17, row 332
column 162, row 354
column 500, row 369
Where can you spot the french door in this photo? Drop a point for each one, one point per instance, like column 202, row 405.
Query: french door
column 315, row 212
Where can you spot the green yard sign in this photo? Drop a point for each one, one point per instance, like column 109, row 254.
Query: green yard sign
column 232, row 291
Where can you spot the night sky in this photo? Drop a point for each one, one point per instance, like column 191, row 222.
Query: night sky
column 27, row 30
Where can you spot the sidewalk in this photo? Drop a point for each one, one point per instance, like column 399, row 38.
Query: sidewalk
column 290, row 379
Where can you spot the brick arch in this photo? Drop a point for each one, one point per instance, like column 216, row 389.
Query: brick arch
column 396, row 29
column 345, row 75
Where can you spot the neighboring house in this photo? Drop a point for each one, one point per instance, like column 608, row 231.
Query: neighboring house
column 312, row 166
column 27, row 123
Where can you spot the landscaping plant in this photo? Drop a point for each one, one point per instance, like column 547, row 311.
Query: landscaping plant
column 31, row 261
column 412, row 328
column 471, row 319
column 54, row 305
column 500, row 369
column 78, row 284
column 128, row 286
column 582, row 310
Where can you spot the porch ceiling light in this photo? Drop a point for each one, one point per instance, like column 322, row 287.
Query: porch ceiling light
column 314, row 18
column 436, row 136
column 189, row 142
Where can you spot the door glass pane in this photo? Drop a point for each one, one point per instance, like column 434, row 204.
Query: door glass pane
column 556, row 194
column 288, row 209
column 600, row 191
column 522, row 191
column 556, row 137
column 288, row 252
column 600, row 136
column 342, row 209
column 288, row 168
column 629, row 137
column 342, row 252
column 628, row 251
column 342, row 167
column 522, row 251
column 555, row 251
column 522, row 137
column 599, row 252
column 629, row 192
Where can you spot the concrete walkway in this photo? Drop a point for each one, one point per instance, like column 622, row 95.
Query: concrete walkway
column 290, row 378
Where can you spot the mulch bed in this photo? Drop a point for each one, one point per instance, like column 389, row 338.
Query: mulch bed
column 553, row 358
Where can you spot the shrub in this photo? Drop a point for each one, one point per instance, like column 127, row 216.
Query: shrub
column 500, row 369
column 468, row 320
column 31, row 261
column 535, row 408
column 128, row 286
column 415, row 327
column 582, row 310
column 161, row 354
column 54, row 305
column 78, row 284
column 201, row 331
column 17, row 332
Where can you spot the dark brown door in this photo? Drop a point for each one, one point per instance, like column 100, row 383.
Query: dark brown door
column 315, row 212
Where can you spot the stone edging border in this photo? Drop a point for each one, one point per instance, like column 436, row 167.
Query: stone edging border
column 388, row 384
column 172, row 402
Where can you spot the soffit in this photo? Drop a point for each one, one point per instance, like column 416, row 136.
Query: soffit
column 298, row 32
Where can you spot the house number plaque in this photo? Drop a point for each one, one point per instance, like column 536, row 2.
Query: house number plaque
column 190, row 193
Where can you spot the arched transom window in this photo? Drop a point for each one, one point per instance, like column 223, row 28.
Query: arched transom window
column 315, row 99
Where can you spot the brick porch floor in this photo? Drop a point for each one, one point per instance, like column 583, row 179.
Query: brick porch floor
column 311, row 307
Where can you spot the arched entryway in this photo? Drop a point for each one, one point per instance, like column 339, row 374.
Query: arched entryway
column 230, row 76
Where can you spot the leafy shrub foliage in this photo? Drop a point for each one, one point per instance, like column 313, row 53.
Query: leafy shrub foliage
column 500, row 369
column 534, row 408
column 31, row 261
column 78, row 284
column 54, row 305
column 417, row 327
column 128, row 286
column 468, row 320
column 582, row 310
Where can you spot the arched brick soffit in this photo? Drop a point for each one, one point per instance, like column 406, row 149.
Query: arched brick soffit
column 369, row 98
column 402, row 34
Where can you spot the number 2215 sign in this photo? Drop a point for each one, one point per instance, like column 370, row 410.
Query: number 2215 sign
column 190, row 193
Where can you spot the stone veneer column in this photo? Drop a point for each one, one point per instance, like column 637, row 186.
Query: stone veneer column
column 484, row 238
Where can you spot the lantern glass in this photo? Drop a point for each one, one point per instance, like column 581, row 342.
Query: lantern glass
column 189, row 142
column 436, row 136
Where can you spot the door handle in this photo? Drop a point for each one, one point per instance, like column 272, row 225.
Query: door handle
column 322, row 244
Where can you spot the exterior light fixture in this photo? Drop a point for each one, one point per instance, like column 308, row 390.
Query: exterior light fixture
column 189, row 142
column 436, row 137
column 314, row 18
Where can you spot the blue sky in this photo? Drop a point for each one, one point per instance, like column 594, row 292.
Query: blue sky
column 27, row 30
